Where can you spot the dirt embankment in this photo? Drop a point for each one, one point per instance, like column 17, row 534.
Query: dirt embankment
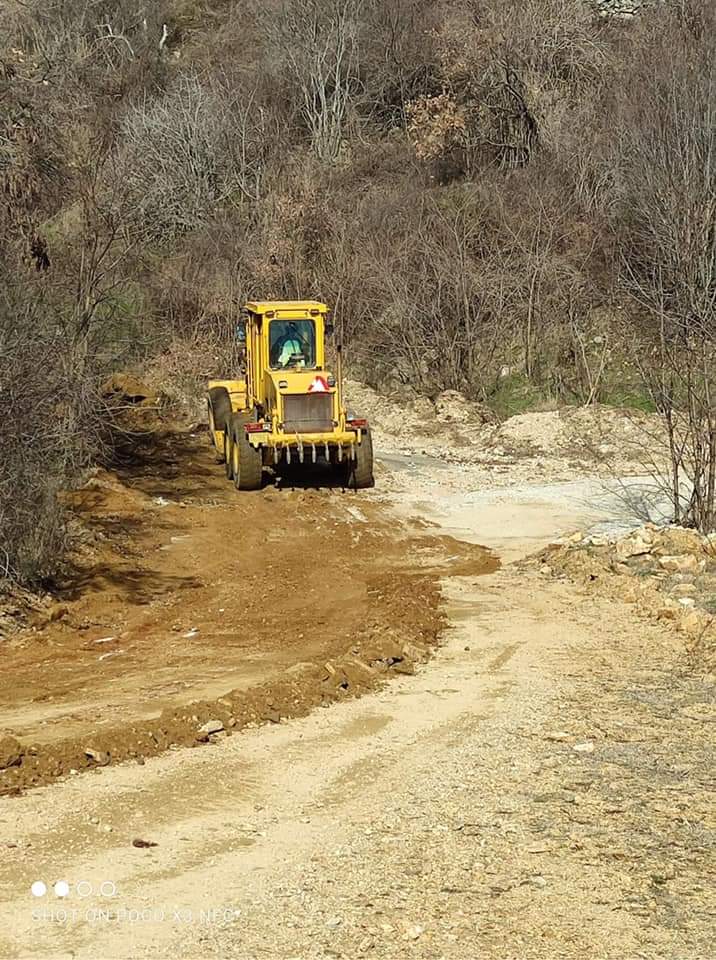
column 668, row 573
column 544, row 446
column 192, row 604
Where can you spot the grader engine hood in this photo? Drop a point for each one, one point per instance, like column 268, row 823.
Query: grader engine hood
column 306, row 401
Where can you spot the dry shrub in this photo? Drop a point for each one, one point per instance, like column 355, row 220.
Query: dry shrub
column 514, row 75
column 187, row 152
column 45, row 440
column 666, row 217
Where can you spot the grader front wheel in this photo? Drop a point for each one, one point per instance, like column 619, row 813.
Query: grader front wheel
column 220, row 406
column 219, row 413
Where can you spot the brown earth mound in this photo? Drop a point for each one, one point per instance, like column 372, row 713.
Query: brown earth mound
column 192, row 604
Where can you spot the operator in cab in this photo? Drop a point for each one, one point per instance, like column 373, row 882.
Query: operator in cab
column 290, row 349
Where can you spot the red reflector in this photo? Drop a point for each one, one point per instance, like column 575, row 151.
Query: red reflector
column 318, row 385
column 255, row 427
column 358, row 424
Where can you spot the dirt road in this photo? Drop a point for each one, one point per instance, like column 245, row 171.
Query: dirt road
column 186, row 593
column 542, row 787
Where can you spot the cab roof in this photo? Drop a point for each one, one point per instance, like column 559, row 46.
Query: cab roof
column 264, row 306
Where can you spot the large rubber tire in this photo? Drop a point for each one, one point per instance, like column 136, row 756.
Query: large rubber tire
column 361, row 469
column 246, row 462
column 228, row 467
column 219, row 407
column 210, row 418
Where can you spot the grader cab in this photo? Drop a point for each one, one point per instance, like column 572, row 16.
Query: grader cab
column 288, row 410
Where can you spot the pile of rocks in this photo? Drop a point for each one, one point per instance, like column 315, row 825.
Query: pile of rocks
column 669, row 573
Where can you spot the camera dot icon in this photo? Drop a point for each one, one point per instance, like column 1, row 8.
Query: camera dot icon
column 61, row 888
column 38, row 889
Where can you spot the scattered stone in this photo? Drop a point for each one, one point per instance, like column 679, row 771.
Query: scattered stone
column 561, row 736
column 211, row 726
column 413, row 932
column 143, row 844
column 686, row 563
column 586, row 747
column 11, row 752
column 100, row 757
column 634, row 546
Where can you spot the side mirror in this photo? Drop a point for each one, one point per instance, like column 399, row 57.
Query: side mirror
column 241, row 331
column 329, row 328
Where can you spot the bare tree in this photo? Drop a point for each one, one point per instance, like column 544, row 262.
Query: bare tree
column 189, row 151
column 669, row 266
column 318, row 42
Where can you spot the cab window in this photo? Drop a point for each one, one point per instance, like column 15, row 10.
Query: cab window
column 292, row 344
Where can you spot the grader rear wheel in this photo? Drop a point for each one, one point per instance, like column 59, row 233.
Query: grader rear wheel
column 361, row 469
column 246, row 462
column 228, row 465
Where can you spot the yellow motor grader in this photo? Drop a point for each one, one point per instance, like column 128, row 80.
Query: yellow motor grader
column 288, row 409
